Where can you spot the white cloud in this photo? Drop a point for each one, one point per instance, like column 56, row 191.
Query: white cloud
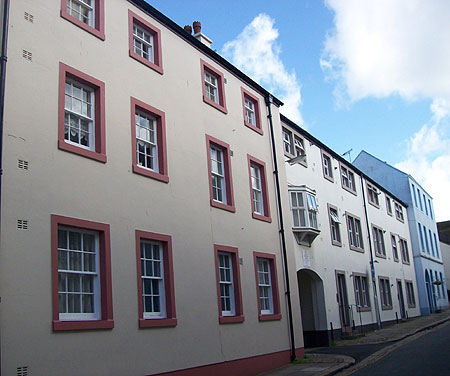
column 383, row 47
column 380, row 48
column 256, row 52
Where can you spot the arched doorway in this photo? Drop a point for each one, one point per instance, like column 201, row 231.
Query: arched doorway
column 312, row 305
column 429, row 288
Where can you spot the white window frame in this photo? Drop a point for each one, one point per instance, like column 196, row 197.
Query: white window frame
column 88, row 5
column 299, row 146
column 143, row 45
column 86, row 116
column 153, row 277
column 226, row 282
column 378, row 241
column 150, row 152
column 250, row 112
column 306, row 209
column 385, row 292
column 257, row 193
column 218, row 174
column 287, row 141
column 399, row 212
column 335, row 225
column 394, row 247
column 348, row 179
column 354, row 232
column 372, row 194
column 94, row 274
column 265, row 286
column 411, row 298
column 404, row 251
column 211, row 82
column 327, row 166
column 361, row 291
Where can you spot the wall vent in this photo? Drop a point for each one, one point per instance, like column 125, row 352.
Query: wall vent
column 29, row 17
column 23, row 165
column 27, row 55
column 22, row 371
column 22, row 224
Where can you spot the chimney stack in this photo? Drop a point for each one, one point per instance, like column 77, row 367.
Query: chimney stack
column 188, row 29
column 197, row 27
column 199, row 35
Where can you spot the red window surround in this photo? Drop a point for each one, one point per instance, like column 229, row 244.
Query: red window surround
column 99, row 28
column 222, row 105
column 106, row 321
column 99, row 117
column 274, row 279
column 157, row 65
column 264, row 192
column 225, row 148
column 255, row 100
column 162, row 173
column 171, row 318
column 239, row 314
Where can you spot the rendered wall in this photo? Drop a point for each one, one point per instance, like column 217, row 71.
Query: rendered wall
column 58, row 182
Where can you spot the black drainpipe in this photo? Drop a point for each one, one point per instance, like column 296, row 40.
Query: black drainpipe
column 372, row 263
column 2, row 109
column 269, row 101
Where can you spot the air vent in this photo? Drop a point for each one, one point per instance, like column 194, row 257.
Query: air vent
column 22, row 224
column 23, row 165
column 29, row 17
column 22, row 371
column 27, row 55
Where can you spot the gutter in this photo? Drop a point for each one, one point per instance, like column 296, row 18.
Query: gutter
column 269, row 101
column 372, row 263
column 3, row 60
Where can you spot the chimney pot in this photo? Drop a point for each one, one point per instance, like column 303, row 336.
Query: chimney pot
column 188, row 29
column 197, row 27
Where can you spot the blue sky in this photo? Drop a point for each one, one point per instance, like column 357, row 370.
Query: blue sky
column 357, row 74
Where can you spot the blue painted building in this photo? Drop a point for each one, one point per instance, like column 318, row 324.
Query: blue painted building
column 427, row 255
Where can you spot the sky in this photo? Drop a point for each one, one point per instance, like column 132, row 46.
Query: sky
column 368, row 75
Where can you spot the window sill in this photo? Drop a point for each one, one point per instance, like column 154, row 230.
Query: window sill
column 335, row 243
column 59, row 325
column 218, row 106
column 349, row 190
column 363, row 309
column 380, row 255
column 150, row 174
column 220, row 205
column 100, row 34
column 374, row 204
column 155, row 67
column 411, row 306
column 272, row 317
column 262, row 217
column 80, row 151
column 157, row 323
column 386, row 308
column 254, row 127
column 360, row 250
column 231, row 319
column 406, row 263
column 329, row 178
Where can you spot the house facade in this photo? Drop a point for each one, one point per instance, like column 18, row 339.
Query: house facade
column 139, row 224
column 444, row 243
column 422, row 225
column 352, row 244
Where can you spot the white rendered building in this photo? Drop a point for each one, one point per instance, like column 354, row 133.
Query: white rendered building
column 343, row 223
column 422, row 225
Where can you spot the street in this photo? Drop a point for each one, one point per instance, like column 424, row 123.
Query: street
column 427, row 355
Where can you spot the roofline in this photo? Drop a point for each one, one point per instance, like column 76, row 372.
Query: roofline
column 308, row 135
column 144, row 6
column 395, row 168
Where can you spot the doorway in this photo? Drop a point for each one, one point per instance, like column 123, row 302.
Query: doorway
column 401, row 300
column 344, row 311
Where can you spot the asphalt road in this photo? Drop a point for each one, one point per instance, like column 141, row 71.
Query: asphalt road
column 357, row 352
column 426, row 355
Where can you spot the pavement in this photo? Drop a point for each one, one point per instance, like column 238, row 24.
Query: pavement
column 383, row 341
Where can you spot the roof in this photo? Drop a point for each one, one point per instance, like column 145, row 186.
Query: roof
column 337, row 156
column 394, row 168
column 171, row 25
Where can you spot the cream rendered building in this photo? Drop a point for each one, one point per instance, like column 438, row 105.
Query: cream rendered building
column 139, row 224
column 342, row 224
